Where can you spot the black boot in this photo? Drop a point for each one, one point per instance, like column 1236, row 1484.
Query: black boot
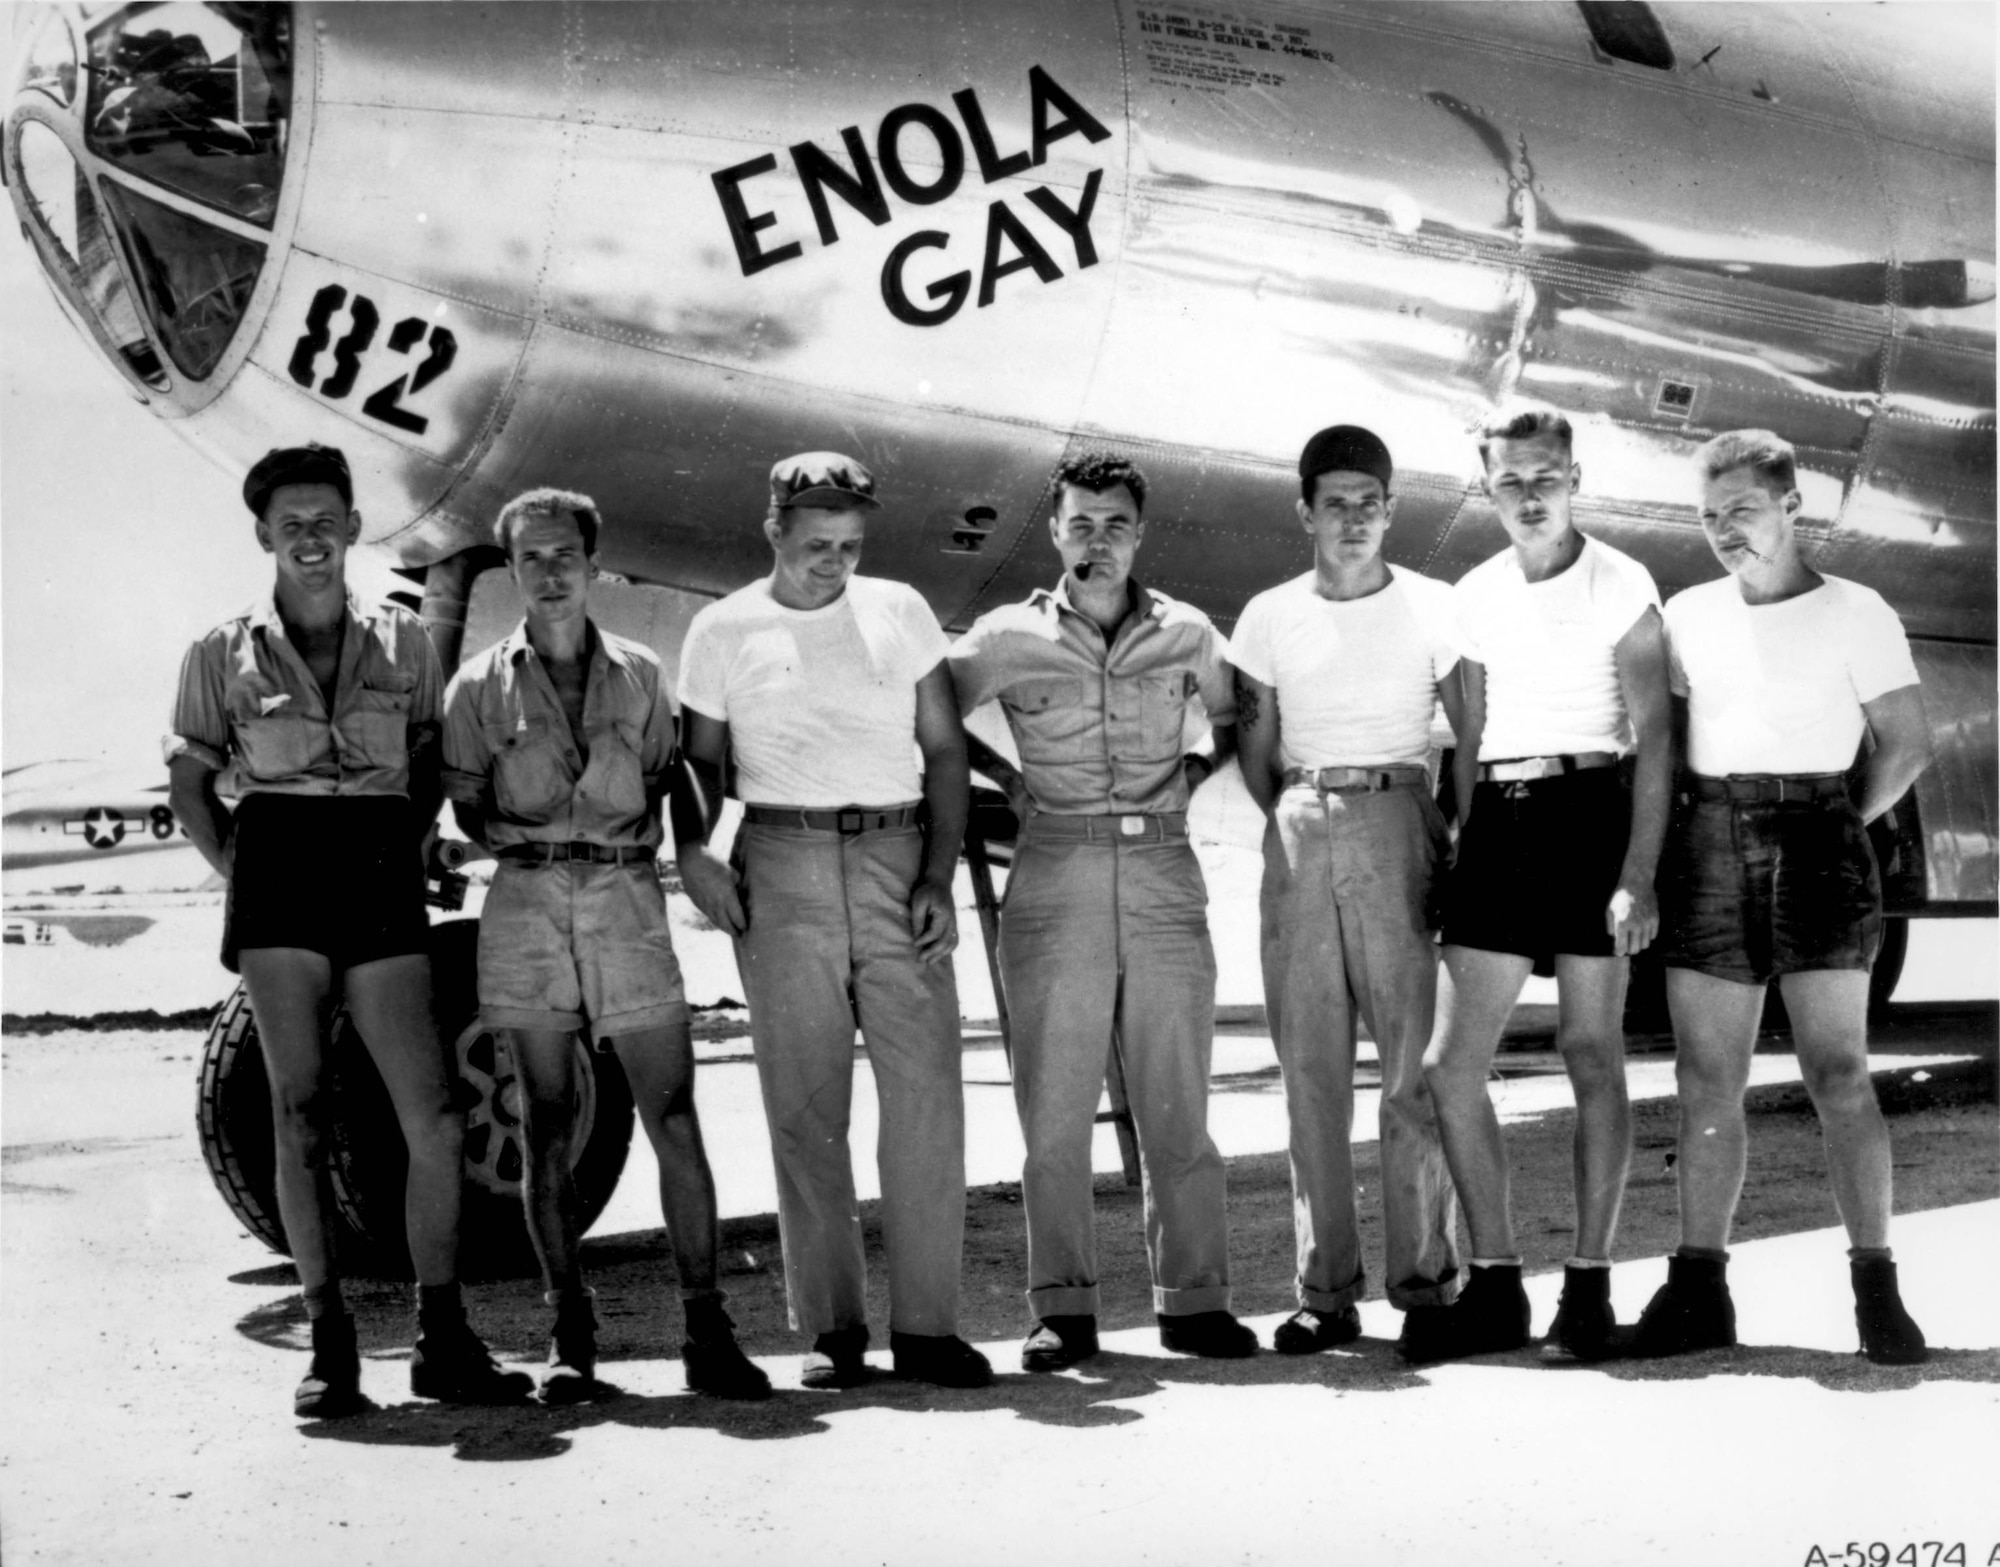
column 713, row 1360
column 1888, row 1336
column 1691, row 1311
column 1489, row 1317
column 332, row 1385
column 572, row 1374
column 838, row 1359
column 1584, row 1329
column 451, row 1364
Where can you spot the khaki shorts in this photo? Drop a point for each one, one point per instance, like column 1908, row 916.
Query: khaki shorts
column 574, row 945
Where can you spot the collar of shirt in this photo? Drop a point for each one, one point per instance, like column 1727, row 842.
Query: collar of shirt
column 1053, row 601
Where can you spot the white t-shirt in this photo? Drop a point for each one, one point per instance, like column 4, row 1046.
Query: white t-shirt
column 1356, row 678
column 821, row 703
column 1778, row 688
column 1551, row 681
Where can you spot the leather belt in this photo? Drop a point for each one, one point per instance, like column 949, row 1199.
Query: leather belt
column 1355, row 780
column 1771, row 788
column 1154, row 828
column 847, row 820
column 1527, row 768
column 579, row 851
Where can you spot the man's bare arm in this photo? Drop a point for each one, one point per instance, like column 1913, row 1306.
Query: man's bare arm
column 947, row 793
column 1257, row 740
column 1470, row 727
column 985, row 759
column 201, row 813
column 1903, row 749
column 709, row 882
column 1641, row 660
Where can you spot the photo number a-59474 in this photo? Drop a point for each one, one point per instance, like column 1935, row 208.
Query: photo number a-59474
column 1913, row 1553
column 385, row 402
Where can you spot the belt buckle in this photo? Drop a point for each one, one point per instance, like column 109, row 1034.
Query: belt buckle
column 851, row 821
column 579, row 850
column 1131, row 826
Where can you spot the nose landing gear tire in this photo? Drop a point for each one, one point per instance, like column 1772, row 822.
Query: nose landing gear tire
column 369, row 1160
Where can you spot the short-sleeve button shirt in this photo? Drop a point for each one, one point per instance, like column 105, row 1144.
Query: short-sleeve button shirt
column 1101, row 728
column 249, row 707
column 509, row 751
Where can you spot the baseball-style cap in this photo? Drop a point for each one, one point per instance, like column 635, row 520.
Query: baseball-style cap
column 308, row 464
column 822, row 479
column 1346, row 448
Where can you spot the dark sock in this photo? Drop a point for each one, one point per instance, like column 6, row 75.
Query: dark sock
column 1704, row 1253
column 1868, row 1254
column 442, row 1304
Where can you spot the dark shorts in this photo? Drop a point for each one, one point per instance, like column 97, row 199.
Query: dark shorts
column 1537, row 864
column 335, row 875
column 1750, row 890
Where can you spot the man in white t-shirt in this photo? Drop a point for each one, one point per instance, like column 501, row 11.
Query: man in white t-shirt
column 828, row 693
column 1769, row 875
column 1338, row 675
column 1565, row 675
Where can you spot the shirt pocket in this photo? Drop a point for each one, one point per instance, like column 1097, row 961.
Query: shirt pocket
column 273, row 740
column 1048, row 718
column 621, row 780
column 530, row 782
column 376, row 725
column 1151, row 712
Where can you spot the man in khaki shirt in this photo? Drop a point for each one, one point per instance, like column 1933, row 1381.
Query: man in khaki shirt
column 558, row 747
column 320, row 715
column 1105, row 929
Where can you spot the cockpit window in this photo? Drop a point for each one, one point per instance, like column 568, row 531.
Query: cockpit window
column 196, row 98
column 196, row 278
column 51, row 66
column 69, row 218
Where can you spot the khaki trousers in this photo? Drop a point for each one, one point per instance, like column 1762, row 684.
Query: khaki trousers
column 829, row 948
column 1345, row 933
column 1103, row 931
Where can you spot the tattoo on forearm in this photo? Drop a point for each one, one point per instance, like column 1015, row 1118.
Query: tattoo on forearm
column 1249, row 704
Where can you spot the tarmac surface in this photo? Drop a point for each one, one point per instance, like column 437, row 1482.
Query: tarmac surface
column 148, row 1348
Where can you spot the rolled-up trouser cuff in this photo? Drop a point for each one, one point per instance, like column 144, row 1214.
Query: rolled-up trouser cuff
column 1185, row 1303
column 1063, row 1300
column 1407, row 1293
column 1334, row 1300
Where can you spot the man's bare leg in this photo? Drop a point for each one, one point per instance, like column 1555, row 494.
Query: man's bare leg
column 1715, row 1034
column 545, row 1069
column 659, row 1066
column 288, row 989
column 1590, row 1034
column 390, row 1002
column 1829, row 1013
column 1476, row 995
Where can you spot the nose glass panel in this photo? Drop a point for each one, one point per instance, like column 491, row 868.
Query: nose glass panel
column 196, row 279
column 51, row 64
column 59, row 197
column 196, row 98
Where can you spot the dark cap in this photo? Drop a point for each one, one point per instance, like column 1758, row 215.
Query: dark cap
column 1346, row 448
column 822, row 479
column 309, row 464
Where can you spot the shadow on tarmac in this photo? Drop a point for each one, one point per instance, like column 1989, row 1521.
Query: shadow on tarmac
column 1091, row 1396
column 1095, row 1395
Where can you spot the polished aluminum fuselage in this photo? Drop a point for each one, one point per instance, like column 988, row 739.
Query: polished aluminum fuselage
column 1265, row 219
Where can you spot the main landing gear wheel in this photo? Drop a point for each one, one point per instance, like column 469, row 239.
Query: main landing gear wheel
column 369, row 1161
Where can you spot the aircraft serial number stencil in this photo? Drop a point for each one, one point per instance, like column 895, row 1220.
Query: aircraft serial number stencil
column 402, row 363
